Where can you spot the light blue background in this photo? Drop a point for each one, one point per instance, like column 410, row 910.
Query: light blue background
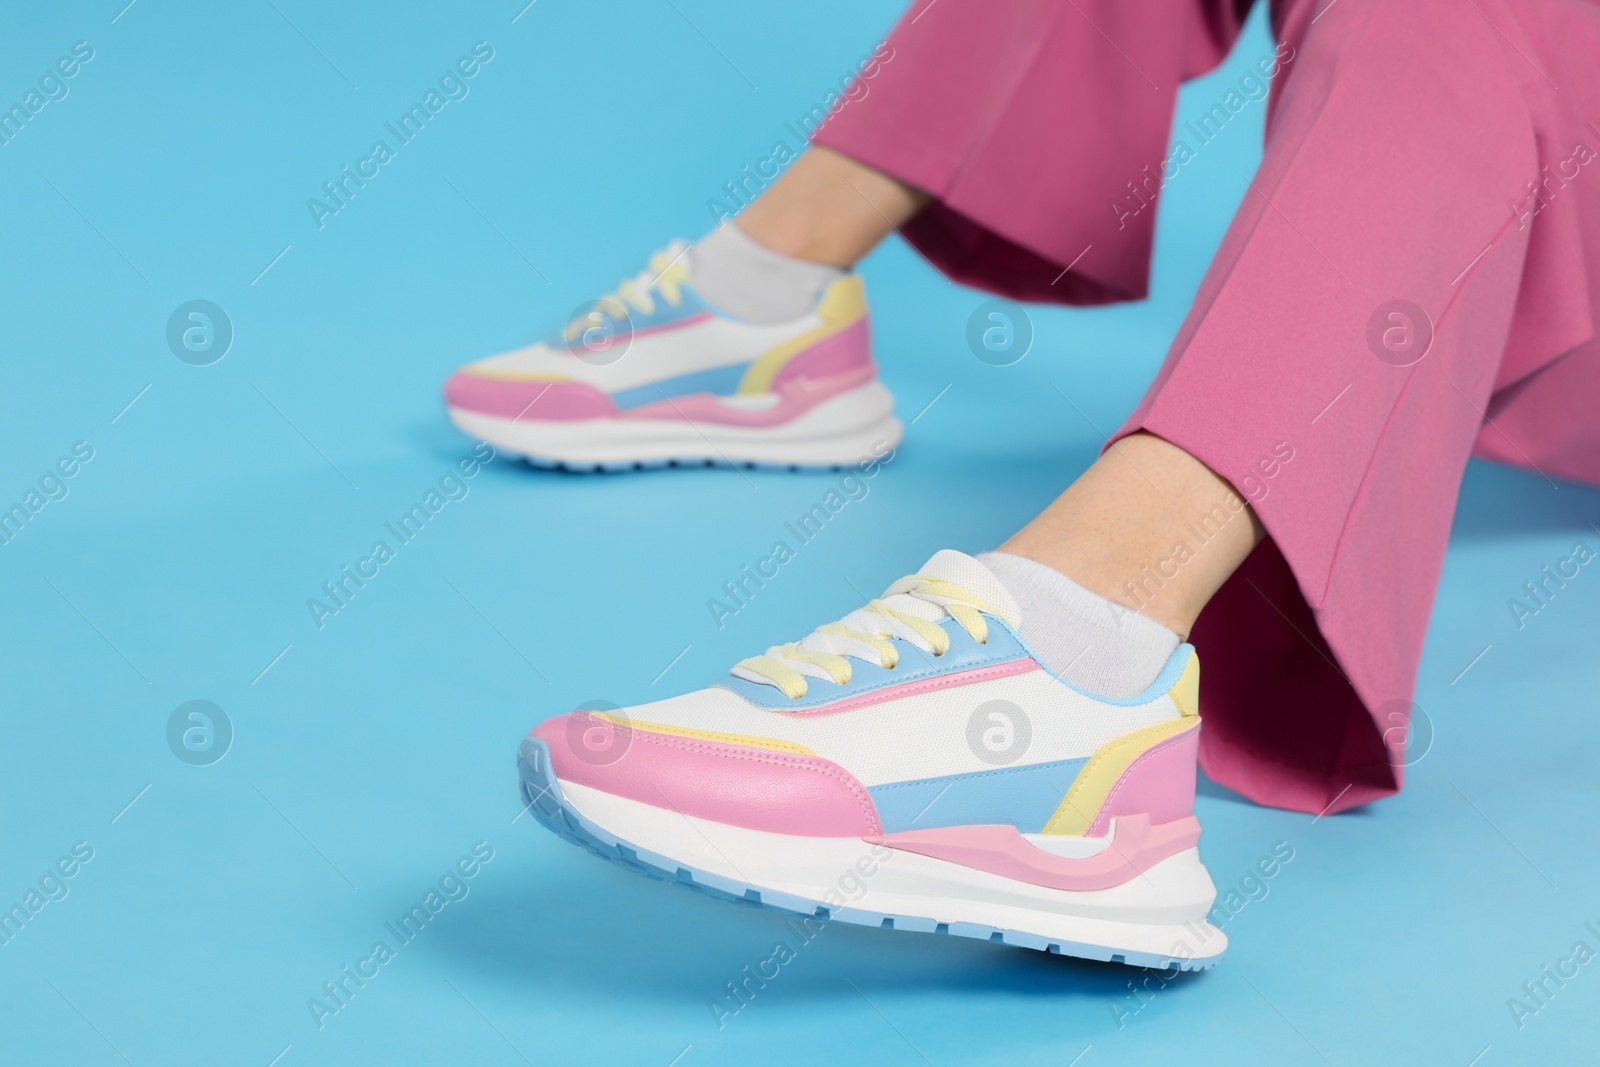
column 377, row 750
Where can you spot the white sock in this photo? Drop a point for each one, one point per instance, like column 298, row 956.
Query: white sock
column 1086, row 640
column 754, row 283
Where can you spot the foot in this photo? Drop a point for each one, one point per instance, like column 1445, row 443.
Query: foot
column 653, row 375
column 909, row 767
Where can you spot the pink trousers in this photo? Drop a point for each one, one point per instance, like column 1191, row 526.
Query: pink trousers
column 1410, row 279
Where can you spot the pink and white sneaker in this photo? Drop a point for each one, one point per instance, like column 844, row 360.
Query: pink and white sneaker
column 653, row 375
column 913, row 767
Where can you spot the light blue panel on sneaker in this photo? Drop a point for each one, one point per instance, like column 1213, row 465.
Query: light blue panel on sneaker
column 723, row 381
column 365, row 748
column 1024, row 797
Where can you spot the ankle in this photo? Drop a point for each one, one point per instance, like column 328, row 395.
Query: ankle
column 798, row 234
column 829, row 209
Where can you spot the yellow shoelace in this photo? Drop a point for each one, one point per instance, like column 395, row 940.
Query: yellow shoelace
column 864, row 634
column 666, row 274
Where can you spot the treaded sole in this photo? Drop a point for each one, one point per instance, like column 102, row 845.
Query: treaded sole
column 541, row 795
column 684, row 463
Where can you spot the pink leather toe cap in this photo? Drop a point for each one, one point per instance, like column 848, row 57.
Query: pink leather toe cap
column 757, row 788
column 526, row 401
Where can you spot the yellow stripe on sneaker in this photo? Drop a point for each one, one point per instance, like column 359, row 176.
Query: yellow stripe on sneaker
column 519, row 375
column 747, row 740
column 1089, row 790
column 1186, row 694
column 844, row 303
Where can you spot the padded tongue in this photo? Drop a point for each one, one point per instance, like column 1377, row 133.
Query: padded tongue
column 948, row 565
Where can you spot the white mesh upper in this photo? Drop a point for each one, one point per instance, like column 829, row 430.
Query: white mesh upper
column 922, row 735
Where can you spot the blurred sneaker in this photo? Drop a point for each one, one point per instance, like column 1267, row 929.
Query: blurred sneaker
column 909, row 767
column 653, row 375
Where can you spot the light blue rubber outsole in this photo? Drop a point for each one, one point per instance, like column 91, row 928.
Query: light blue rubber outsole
column 541, row 795
column 623, row 466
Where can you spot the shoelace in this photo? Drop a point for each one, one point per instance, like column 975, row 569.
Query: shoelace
column 865, row 634
column 666, row 275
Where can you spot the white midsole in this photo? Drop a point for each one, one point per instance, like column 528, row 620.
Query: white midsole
column 1163, row 911
column 853, row 426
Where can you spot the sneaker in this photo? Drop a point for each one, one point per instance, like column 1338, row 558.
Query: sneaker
column 652, row 375
column 910, row 767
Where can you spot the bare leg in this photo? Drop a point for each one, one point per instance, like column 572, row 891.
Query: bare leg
column 1115, row 530
column 827, row 208
column 1121, row 522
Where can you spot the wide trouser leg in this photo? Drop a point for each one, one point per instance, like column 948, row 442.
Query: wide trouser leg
column 1372, row 301
column 1026, row 120
column 1385, row 176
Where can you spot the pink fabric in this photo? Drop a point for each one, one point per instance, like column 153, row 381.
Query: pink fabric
column 509, row 398
column 924, row 685
column 849, row 350
column 1160, row 784
column 1402, row 140
column 1024, row 122
column 757, row 788
column 1136, row 847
